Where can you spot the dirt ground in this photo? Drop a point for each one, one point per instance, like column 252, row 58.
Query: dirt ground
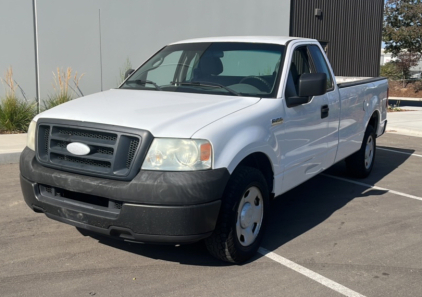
column 397, row 90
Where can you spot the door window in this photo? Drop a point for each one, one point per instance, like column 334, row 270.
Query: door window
column 300, row 65
column 320, row 64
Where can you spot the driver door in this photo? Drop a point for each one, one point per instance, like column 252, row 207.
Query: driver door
column 304, row 141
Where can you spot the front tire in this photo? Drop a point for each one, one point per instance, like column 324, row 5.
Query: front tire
column 360, row 164
column 241, row 223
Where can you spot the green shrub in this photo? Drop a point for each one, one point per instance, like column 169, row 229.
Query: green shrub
column 55, row 100
column 16, row 115
column 391, row 71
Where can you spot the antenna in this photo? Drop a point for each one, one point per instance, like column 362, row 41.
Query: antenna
column 37, row 61
column 101, row 56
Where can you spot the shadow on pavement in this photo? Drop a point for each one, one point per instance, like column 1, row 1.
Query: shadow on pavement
column 311, row 203
column 385, row 163
column 291, row 214
column 189, row 254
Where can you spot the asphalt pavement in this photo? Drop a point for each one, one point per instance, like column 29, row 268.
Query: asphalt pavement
column 331, row 236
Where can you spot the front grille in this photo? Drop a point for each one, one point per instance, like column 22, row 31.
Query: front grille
column 106, row 151
column 112, row 153
column 47, row 139
column 82, row 161
column 132, row 150
column 88, row 134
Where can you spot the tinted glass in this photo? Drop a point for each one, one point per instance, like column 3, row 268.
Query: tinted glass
column 249, row 63
column 300, row 65
column 164, row 74
column 224, row 68
column 321, row 64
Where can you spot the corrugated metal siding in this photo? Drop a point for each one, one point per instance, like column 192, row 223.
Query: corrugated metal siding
column 352, row 29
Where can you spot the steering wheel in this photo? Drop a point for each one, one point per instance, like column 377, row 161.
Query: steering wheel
column 262, row 82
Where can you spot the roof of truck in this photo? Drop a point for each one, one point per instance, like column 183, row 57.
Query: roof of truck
column 252, row 39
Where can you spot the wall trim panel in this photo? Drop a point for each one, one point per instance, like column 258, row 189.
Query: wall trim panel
column 352, row 29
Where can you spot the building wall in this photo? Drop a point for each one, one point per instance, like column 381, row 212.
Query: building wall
column 385, row 57
column 352, row 29
column 69, row 33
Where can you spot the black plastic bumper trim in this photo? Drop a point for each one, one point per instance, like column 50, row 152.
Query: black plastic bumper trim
column 137, row 222
column 127, row 234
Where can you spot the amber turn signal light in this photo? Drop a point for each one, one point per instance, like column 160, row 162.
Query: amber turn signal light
column 205, row 151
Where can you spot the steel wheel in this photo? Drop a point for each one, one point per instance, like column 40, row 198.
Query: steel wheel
column 369, row 152
column 249, row 216
column 243, row 215
column 360, row 164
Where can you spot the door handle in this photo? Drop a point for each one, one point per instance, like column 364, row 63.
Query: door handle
column 324, row 111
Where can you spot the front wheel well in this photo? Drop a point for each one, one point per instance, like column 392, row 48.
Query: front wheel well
column 261, row 162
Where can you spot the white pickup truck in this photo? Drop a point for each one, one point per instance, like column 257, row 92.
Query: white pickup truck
column 196, row 142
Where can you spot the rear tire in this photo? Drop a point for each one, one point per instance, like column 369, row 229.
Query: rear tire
column 360, row 164
column 242, row 219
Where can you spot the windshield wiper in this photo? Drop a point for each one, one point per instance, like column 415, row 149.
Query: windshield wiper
column 206, row 84
column 143, row 82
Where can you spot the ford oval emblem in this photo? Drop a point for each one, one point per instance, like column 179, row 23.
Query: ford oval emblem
column 77, row 148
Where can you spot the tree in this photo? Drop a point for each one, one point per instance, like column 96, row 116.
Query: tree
column 390, row 71
column 405, row 61
column 402, row 26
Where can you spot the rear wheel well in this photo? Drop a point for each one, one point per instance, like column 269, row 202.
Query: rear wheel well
column 374, row 120
column 261, row 162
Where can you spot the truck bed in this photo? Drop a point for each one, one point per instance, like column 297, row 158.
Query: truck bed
column 348, row 81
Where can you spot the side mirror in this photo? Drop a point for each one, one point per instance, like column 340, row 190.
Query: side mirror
column 310, row 84
column 128, row 72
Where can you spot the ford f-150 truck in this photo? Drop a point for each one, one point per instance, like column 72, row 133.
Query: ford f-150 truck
column 195, row 143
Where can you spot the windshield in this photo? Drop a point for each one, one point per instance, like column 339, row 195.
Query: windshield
column 223, row 68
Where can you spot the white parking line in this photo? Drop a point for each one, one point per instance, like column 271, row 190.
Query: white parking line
column 394, row 151
column 309, row 273
column 374, row 187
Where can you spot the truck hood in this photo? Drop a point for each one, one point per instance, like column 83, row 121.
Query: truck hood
column 164, row 114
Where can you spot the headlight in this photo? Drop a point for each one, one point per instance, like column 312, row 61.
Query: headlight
column 178, row 155
column 30, row 138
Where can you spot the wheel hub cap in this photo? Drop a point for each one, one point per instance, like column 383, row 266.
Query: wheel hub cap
column 246, row 215
column 369, row 152
column 250, row 213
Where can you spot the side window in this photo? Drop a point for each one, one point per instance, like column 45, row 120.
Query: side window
column 321, row 64
column 300, row 65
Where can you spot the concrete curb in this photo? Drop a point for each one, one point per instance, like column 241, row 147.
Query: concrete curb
column 10, row 158
column 404, row 99
column 401, row 131
column 11, row 146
